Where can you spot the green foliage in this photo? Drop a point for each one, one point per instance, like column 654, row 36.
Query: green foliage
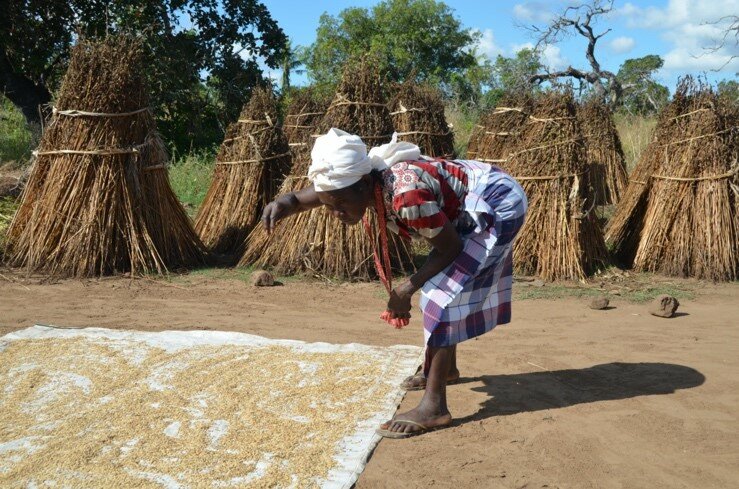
column 512, row 74
column 17, row 140
column 410, row 37
column 641, row 93
column 190, row 177
column 728, row 91
column 187, row 40
column 462, row 119
column 8, row 207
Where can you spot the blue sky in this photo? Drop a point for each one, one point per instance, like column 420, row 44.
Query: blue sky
column 677, row 30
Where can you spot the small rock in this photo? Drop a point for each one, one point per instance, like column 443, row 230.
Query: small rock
column 599, row 303
column 262, row 278
column 537, row 283
column 664, row 306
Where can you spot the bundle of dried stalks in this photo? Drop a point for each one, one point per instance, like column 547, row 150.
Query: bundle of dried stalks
column 561, row 238
column 690, row 224
column 98, row 200
column 250, row 167
column 473, row 143
column 314, row 242
column 604, row 154
column 499, row 128
column 624, row 228
column 304, row 113
column 418, row 117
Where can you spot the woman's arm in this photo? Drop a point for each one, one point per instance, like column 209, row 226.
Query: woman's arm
column 447, row 246
column 287, row 205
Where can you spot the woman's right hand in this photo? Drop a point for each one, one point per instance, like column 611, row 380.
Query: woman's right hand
column 276, row 210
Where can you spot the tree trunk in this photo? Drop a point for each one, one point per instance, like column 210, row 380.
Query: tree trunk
column 22, row 91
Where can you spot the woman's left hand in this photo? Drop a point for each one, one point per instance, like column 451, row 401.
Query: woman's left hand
column 399, row 303
column 399, row 306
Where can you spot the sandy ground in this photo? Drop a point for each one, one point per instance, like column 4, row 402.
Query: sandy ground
column 562, row 397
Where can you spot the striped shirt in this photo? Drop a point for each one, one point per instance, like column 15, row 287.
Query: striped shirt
column 421, row 196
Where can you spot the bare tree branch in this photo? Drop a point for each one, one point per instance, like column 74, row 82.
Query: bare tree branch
column 580, row 19
column 725, row 41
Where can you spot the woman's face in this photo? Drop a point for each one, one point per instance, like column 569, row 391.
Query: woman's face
column 348, row 204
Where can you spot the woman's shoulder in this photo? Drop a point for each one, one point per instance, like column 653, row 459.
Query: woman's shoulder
column 404, row 176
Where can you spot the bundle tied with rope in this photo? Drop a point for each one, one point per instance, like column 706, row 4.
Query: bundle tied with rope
column 498, row 131
column 314, row 242
column 561, row 238
column 418, row 117
column 250, row 167
column 604, row 153
column 98, row 199
column 304, row 112
column 688, row 222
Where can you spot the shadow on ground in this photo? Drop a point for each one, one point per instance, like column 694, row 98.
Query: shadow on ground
column 536, row 391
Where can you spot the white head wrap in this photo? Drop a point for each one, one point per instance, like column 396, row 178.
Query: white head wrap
column 340, row 159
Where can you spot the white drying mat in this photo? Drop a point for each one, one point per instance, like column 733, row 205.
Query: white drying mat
column 106, row 408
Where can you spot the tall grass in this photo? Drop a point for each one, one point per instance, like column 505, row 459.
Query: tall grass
column 190, row 176
column 462, row 121
column 17, row 139
column 635, row 132
column 8, row 205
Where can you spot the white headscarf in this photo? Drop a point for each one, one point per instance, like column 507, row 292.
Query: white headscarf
column 340, row 159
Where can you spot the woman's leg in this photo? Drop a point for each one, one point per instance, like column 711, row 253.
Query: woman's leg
column 432, row 410
column 418, row 381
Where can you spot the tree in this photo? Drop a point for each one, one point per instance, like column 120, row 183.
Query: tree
column 580, row 19
column 641, row 94
column 292, row 59
column 203, row 54
column 420, row 37
column 728, row 90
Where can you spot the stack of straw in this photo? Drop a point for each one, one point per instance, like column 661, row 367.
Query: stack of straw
column 314, row 242
column 418, row 117
column 690, row 223
column 604, row 153
column 98, row 200
column 497, row 132
column 561, row 238
column 624, row 228
column 250, row 167
column 304, row 112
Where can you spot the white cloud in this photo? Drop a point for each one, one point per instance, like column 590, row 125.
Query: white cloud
column 622, row 44
column 551, row 57
column 518, row 47
column 691, row 27
column 533, row 11
column 486, row 44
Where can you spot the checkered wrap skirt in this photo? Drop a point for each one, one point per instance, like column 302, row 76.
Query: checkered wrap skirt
column 473, row 294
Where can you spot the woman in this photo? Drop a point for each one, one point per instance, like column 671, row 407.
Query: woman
column 468, row 211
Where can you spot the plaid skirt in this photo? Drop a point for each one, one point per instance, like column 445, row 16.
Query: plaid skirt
column 473, row 294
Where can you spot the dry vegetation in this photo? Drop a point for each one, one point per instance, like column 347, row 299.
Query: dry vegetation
column 418, row 117
column 314, row 242
column 561, row 238
column 98, row 200
column 250, row 166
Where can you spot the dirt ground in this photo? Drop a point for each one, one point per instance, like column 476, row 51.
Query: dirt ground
column 562, row 397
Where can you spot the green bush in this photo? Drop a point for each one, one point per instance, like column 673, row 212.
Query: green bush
column 190, row 177
column 17, row 140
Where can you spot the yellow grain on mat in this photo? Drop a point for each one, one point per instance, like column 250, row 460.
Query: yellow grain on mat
column 93, row 413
